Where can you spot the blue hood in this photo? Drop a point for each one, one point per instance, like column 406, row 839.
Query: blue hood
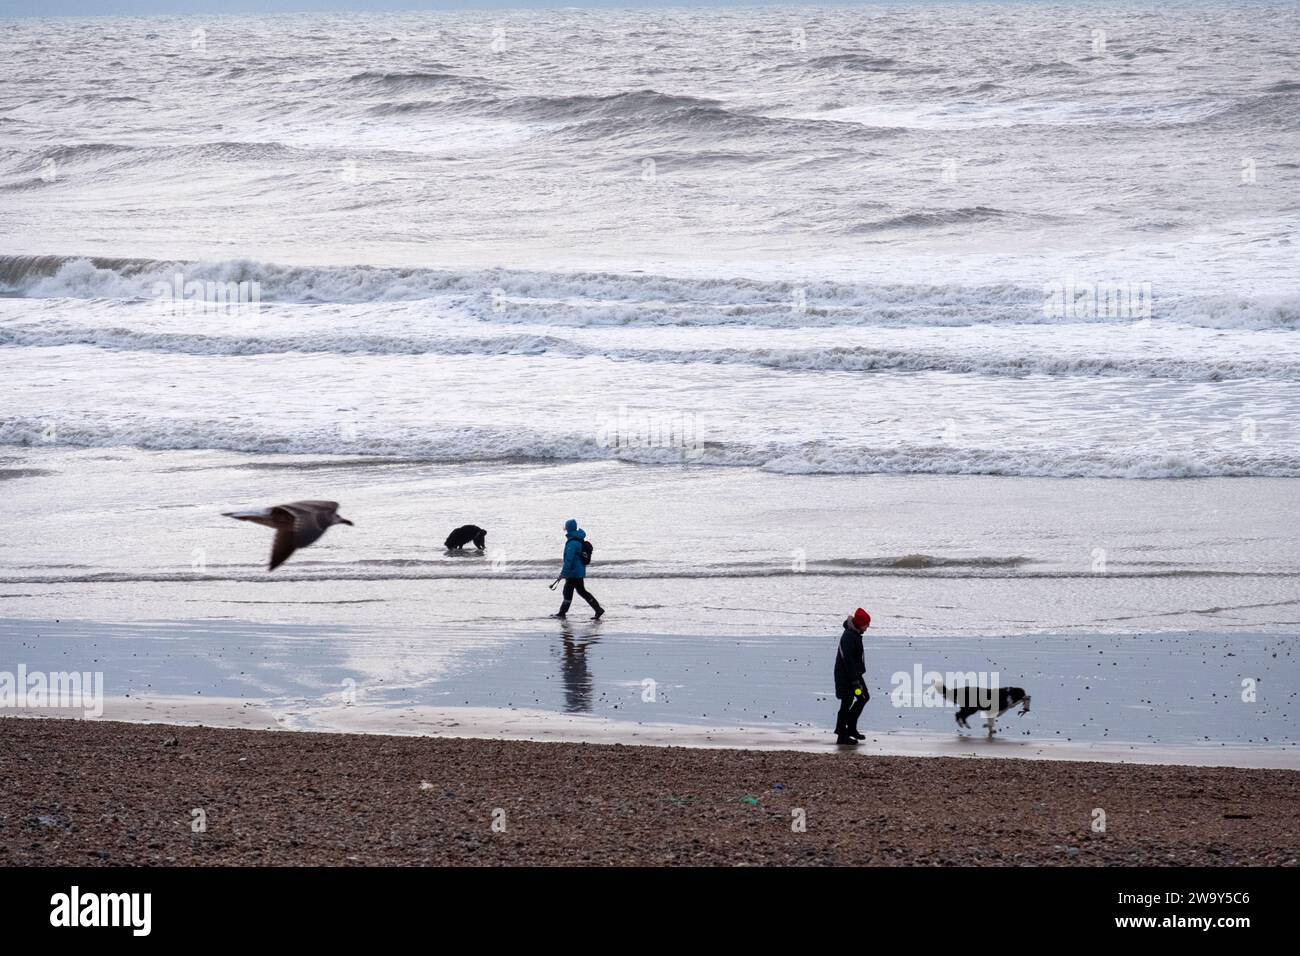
column 573, row 539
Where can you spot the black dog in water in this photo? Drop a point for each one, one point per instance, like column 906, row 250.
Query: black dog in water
column 464, row 535
column 973, row 700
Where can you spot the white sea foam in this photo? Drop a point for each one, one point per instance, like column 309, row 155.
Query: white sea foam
column 468, row 444
column 614, row 298
column 840, row 254
column 1197, row 366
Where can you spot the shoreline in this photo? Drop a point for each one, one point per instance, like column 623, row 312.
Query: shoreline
column 1173, row 698
column 526, row 725
column 108, row 793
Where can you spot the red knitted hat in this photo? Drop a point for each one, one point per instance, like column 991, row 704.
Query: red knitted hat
column 861, row 619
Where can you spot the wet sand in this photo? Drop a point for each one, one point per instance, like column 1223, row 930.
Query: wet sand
column 533, row 725
column 1161, row 698
column 1138, row 640
column 102, row 792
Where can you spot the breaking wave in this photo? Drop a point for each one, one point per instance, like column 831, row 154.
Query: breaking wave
column 603, row 298
column 49, row 334
column 465, row 444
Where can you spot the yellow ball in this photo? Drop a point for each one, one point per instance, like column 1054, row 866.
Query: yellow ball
column 857, row 691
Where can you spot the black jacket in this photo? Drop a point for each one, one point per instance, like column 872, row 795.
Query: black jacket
column 850, row 662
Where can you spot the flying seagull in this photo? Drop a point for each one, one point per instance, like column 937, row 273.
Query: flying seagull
column 296, row 525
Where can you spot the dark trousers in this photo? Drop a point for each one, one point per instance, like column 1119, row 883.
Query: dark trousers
column 846, row 721
column 575, row 584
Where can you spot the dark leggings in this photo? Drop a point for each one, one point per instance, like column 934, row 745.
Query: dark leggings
column 850, row 709
column 575, row 584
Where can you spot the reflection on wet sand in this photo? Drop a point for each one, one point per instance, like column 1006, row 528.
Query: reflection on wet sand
column 577, row 678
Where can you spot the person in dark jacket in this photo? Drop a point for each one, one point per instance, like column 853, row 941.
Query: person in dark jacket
column 850, row 687
column 574, row 570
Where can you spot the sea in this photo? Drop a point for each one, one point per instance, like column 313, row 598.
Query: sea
column 983, row 316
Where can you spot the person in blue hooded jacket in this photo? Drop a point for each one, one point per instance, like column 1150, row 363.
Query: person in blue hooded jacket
column 574, row 570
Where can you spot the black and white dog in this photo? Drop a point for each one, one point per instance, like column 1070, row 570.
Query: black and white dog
column 463, row 535
column 992, row 704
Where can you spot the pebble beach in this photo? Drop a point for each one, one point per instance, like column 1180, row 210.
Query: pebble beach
column 107, row 793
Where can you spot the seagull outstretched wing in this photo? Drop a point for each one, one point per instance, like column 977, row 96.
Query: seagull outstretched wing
column 296, row 525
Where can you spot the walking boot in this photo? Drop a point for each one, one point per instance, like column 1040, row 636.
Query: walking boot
column 852, row 729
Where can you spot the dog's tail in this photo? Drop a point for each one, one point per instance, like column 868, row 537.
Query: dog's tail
column 943, row 691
